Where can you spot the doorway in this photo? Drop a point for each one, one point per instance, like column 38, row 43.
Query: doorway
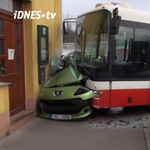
column 12, row 62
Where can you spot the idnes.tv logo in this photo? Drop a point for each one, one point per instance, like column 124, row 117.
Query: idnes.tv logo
column 33, row 15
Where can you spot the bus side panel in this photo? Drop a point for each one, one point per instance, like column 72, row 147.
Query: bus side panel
column 129, row 93
column 129, row 97
column 102, row 101
column 148, row 101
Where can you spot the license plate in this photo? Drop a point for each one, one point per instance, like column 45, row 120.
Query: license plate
column 61, row 117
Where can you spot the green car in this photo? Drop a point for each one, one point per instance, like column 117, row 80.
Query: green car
column 64, row 96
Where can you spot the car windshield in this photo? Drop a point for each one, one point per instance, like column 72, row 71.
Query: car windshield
column 92, row 34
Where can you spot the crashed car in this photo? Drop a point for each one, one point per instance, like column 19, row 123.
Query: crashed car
column 64, row 96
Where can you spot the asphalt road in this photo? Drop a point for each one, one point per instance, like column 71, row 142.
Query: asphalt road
column 127, row 129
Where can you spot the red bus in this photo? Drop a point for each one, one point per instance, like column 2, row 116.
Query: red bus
column 113, row 41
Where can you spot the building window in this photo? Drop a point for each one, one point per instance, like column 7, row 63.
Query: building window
column 10, row 5
column 2, row 47
column 17, row 30
column 17, row 5
column 1, row 27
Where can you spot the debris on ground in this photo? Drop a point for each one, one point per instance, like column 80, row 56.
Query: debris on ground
column 115, row 123
column 116, row 118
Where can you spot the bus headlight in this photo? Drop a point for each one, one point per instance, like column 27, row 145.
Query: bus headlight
column 96, row 93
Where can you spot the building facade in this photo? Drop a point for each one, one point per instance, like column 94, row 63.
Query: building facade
column 19, row 56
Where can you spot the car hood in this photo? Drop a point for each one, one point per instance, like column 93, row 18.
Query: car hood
column 65, row 76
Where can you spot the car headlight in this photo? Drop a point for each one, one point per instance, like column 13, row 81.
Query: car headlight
column 96, row 93
column 81, row 90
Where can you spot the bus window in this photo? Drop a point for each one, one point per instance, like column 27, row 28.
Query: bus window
column 103, row 47
column 131, row 54
column 90, row 46
column 122, row 51
column 93, row 44
column 142, row 45
column 123, row 40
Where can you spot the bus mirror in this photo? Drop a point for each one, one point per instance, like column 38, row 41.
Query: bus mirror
column 65, row 24
column 79, row 30
column 114, row 25
column 65, row 27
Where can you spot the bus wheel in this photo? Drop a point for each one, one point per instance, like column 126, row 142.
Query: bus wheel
column 103, row 111
column 100, row 111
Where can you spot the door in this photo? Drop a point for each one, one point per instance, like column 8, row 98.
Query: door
column 130, row 68
column 12, row 66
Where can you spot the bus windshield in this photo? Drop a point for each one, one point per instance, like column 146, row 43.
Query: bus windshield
column 92, row 35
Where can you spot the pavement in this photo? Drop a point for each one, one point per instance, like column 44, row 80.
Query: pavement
column 118, row 130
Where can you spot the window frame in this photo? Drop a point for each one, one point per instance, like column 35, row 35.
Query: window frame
column 133, row 25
